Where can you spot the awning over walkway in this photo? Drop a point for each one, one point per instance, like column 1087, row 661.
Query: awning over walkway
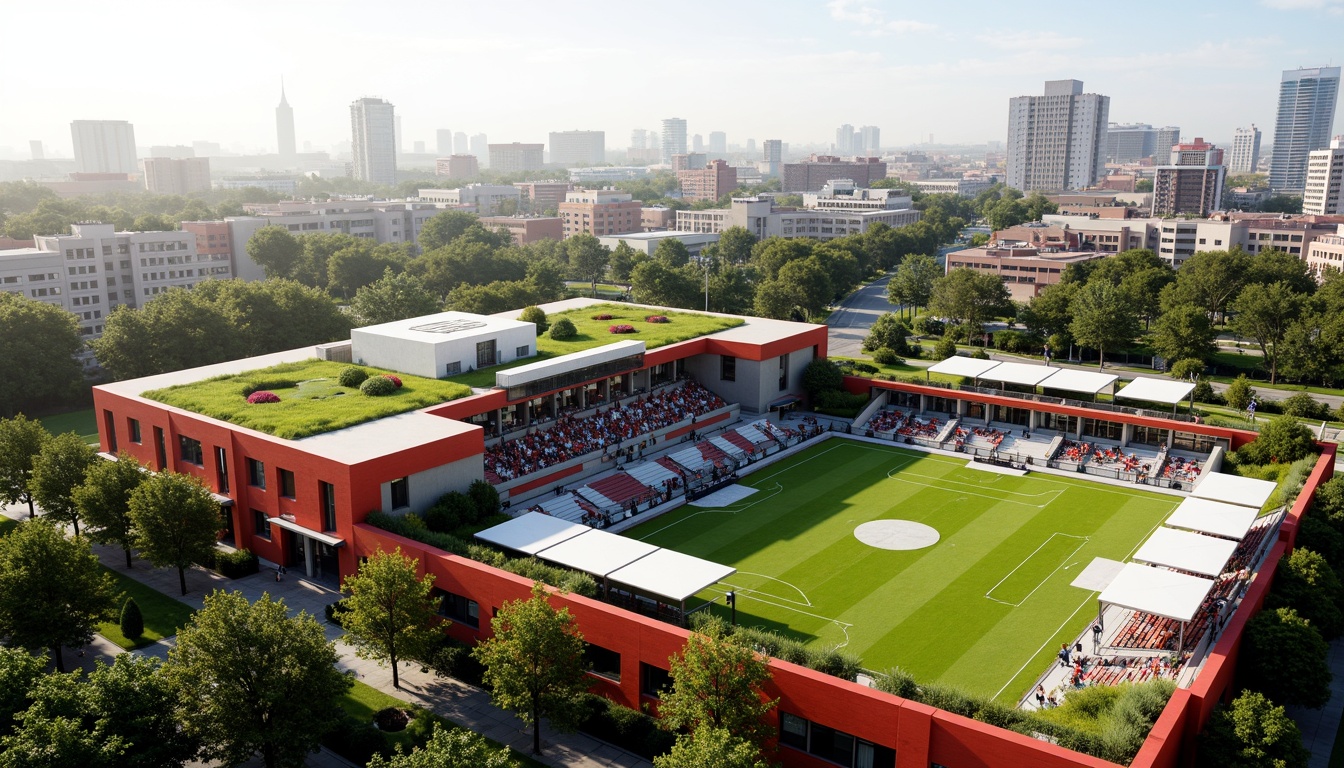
column 1152, row 390
column 1018, row 373
column 963, row 366
column 1214, row 517
column 671, row 574
column 325, row 538
column 1157, row 591
column 1070, row 380
column 783, row 402
column 531, row 533
column 1234, row 489
column 1191, row 552
column 597, row 552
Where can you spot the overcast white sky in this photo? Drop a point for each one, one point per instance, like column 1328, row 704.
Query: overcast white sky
column 790, row 69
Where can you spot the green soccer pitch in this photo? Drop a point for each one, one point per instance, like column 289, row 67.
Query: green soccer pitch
column 984, row 609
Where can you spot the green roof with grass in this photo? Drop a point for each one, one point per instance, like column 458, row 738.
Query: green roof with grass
column 312, row 401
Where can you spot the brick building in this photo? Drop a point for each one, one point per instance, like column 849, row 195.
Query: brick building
column 712, row 182
column 601, row 212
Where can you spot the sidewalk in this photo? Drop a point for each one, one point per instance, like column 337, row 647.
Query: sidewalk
column 463, row 704
column 1319, row 726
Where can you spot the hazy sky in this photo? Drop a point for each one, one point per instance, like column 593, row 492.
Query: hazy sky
column 761, row 69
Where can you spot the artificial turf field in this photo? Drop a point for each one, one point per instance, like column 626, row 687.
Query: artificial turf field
column 984, row 609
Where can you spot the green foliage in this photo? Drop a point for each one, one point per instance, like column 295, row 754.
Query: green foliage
column 58, row 471
column 234, row 564
column 536, row 316
column 1239, row 393
column 274, row 249
column 19, row 671
column 717, row 682
column 350, row 376
column 885, row 356
column 1103, row 318
column 945, row 348
column 1305, row 406
column 21, row 441
column 1186, row 368
column 38, row 342
column 1264, row 313
column 132, row 622
column 389, row 612
column 378, row 386
column 485, row 497
column 718, row 747
column 394, row 296
column 1284, row 657
column 176, row 522
column 449, row 748
column 626, row 728
column 820, row 376
column 563, row 330
column 1252, row 733
column 888, row 332
column 450, row 512
column 831, row 661
column 969, row 296
column 1282, row 440
column 1308, row 584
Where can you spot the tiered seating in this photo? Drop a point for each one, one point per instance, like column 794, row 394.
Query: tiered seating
column 1127, row 669
column 652, row 473
column 568, row 438
column 1241, row 557
column 1076, row 452
column 886, row 420
column 491, row 477
column 753, row 433
column 1149, row 632
column 621, row 488
column 1116, row 458
column 988, row 436
column 671, row 465
column 565, row 507
column 594, row 497
column 736, row 438
column 728, row 447
column 917, row 427
column 712, row 453
column 1177, row 468
column 688, row 459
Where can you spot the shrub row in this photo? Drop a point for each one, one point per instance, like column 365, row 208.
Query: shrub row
column 626, row 728
column 232, row 564
column 834, row 661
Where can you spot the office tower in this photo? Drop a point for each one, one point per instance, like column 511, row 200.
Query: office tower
column 396, row 131
column 104, row 146
column 844, row 140
column 1056, row 141
column 1164, row 139
column 1245, row 150
column 1132, row 142
column 870, row 137
column 751, row 146
column 508, row 158
column 718, row 143
column 457, row 167
column 772, row 158
column 284, row 127
column 639, row 139
column 443, row 143
column 697, row 143
column 1192, row 183
column 674, row 138
column 480, row 147
column 1306, row 113
column 35, row 149
column 176, row 176
column 460, row 144
column 373, row 142
column 578, row 147
column 1325, row 177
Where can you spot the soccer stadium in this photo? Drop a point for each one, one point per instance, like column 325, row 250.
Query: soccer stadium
column 1009, row 534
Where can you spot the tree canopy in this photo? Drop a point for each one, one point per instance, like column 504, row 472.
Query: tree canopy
column 390, row 613
column 175, row 520
column 394, row 296
column 969, row 296
column 38, row 342
column 21, row 441
column 104, row 501
column 717, row 684
column 58, row 471
column 1284, row 657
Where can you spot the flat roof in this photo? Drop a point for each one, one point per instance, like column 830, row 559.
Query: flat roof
column 671, row 574
column 1234, row 489
column 532, row 532
column 1214, row 517
column 1192, row 552
column 963, row 366
column 1019, row 373
column 754, row 330
column 1154, row 390
column 376, row 438
column 1072, row 380
column 443, row 326
column 1157, row 591
column 573, row 361
column 663, row 235
column 597, row 552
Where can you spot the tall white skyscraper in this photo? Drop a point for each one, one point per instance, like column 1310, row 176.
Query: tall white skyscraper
column 1245, row 150
column 578, row 147
column 674, row 138
column 480, row 147
column 396, row 131
column 870, row 140
column 844, row 140
column 718, row 143
column 1307, row 100
column 697, row 143
column 104, row 146
column 1057, row 141
column 460, row 144
column 284, row 127
column 443, row 144
column 1325, row 180
column 639, row 138
column 373, row 141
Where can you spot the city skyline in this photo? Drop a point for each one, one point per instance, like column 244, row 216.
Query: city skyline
column 938, row 78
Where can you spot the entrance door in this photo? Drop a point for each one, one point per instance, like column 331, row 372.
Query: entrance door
column 294, row 552
column 328, row 565
column 485, row 353
column 227, row 534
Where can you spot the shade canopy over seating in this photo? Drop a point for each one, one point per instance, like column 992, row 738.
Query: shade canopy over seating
column 1234, row 489
column 1157, row 591
column 531, row 533
column 597, row 552
column 1153, row 390
column 1019, row 373
column 963, row 366
column 1070, row 380
column 671, row 574
column 1190, row 552
column 1213, row 517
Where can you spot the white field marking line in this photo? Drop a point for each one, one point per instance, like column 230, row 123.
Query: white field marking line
column 1086, row 600
column 998, row 498
column 756, row 499
column 1048, row 576
column 843, row 625
column 945, row 481
column 805, row 601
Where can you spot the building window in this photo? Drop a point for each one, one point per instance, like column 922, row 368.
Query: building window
column 783, row 371
column 653, row 680
column 452, row 369
column 222, row 469
column 133, row 427
column 727, row 368
column 400, row 492
column 160, row 449
column 286, row 478
column 256, row 474
column 190, row 450
column 261, row 525
column 110, row 424
column 462, row 610
column 521, row 351
column 792, row 731
column 832, row 745
column 602, row 661
column 327, row 498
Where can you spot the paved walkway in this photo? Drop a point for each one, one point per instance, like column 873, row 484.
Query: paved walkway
column 1319, row 726
column 463, row 704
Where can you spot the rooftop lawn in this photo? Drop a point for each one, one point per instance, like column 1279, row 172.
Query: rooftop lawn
column 313, row 404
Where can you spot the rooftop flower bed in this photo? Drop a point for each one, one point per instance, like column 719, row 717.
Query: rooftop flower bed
column 311, row 399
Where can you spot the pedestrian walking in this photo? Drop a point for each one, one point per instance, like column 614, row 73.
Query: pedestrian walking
column 1040, row 697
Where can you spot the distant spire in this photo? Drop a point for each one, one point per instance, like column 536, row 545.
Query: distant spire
column 283, row 103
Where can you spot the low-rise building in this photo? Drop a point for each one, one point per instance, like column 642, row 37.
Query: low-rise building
column 527, row 229
column 482, row 199
column 1326, row 252
column 1025, row 269
column 283, row 185
column 607, row 174
column 812, row 174
column 457, row 167
column 176, row 176
column 656, row 218
column 543, row 196
column 647, row 242
column 712, row 182
column 963, row 187
column 762, row 218
column 600, row 212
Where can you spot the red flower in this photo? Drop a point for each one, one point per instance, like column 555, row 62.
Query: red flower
column 621, row 328
column 263, row 397
column 657, row 319
column 394, row 379
column 602, row 317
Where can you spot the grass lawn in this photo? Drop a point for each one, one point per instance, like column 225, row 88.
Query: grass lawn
column 311, row 403
column 984, row 609
column 903, row 369
column 163, row 615
column 81, row 423
column 7, row 525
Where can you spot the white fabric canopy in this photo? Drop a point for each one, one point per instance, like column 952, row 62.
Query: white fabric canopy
column 963, row 366
column 531, row 533
column 1156, row 390
column 1070, row 380
column 1234, row 489
column 597, row 552
column 1191, row 552
column 1157, row 591
column 1213, row 517
column 1019, row 373
column 671, row 574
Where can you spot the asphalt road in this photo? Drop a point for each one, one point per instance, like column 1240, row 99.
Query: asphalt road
column 849, row 323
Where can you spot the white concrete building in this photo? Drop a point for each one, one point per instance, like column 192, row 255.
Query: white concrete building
column 1307, row 99
column 446, row 344
column 1245, row 156
column 647, row 242
column 589, row 176
column 1057, row 141
column 1326, row 252
column 962, row 187
column 674, row 138
column 170, row 176
column 104, row 146
column 373, row 141
column 578, row 148
column 842, row 195
column 1325, row 180
column 761, row 218
column 482, row 199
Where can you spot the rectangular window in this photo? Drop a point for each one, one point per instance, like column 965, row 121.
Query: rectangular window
column 221, row 470
column 261, row 525
column 160, row 449
column 256, row 474
column 190, row 450
column 653, row 680
column 783, row 371
column 110, row 424
column 792, row 731
column 401, row 493
column 286, row 478
column 326, row 493
column 602, row 661
column 727, row 368
column 133, row 427
column 452, row 369
column 521, row 351
column 458, row 608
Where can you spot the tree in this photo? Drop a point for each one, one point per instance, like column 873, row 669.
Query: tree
column 176, row 522
column 1252, row 733
column 820, row 376
column 622, row 260
column 772, row 253
column 969, row 296
column 275, row 250
column 19, row 672
column 717, row 684
column 1308, row 584
column 776, row 299
column 53, row 592
column 394, row 296
column 1102, row 318
column 1209, row 279
column 390, row 613
column 653, row 282
column 444, row 228
column 1048, row 313
column 913, row 282
column 132, row 621
column 21, row 440
column 58, row 471
column 1284, row 657
column 810, row 284
column 1239, row 393
column 350, row 269
column 672, row 253
column 730, row 290
column 1183, row 332
column 1006, row 213
column 104, row 501
column 588, row 258
column 717, row 747
column 735, row 244
column 888, row 331
column 449, row 748
column 1264, row 313
column 534, row 663
column 252, row 678
column 1284, row 439
column 38, row 342
column 537, row 316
